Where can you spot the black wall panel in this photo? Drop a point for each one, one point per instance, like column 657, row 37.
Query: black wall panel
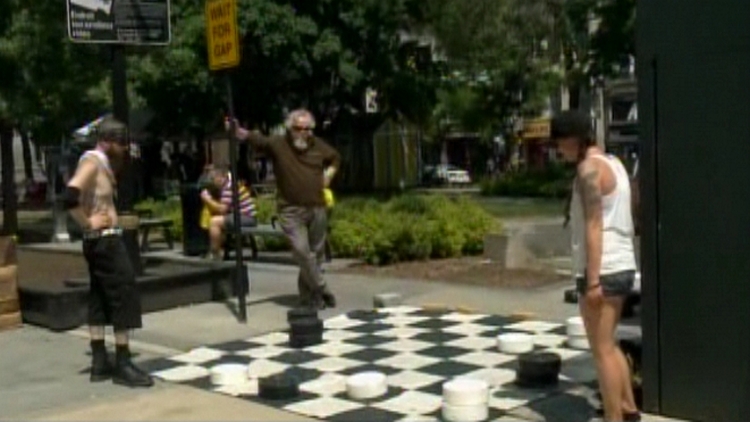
column 694, row 108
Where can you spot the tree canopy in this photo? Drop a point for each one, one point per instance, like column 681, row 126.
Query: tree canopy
column 498, row 59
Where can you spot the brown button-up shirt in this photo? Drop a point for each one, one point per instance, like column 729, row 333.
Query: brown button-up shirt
column 299, row 174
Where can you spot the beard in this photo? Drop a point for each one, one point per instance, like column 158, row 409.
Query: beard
column 300, row 143
column 116, row 160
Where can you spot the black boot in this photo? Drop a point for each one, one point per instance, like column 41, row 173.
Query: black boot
column 126, row 373
column 101, row 369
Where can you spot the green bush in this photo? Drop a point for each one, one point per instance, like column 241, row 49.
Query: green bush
column 555, row 181
column 405, row 228
column 170, row 209
column 409, row 227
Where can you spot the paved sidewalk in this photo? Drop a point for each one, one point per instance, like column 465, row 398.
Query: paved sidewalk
column 44, row 374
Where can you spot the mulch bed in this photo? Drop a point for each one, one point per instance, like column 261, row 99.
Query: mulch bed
column 467, row 270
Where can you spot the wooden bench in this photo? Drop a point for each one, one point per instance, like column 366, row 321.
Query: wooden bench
column 249, row 233
column 147, row 223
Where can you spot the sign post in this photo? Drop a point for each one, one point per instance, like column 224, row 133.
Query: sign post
column 224, row 54
column 120, row 23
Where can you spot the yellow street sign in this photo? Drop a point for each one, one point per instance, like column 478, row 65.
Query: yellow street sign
column 536, row 129
column 222, row 34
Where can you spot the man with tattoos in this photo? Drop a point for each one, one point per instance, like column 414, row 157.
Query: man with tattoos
column 604, row 262
column 114, row 298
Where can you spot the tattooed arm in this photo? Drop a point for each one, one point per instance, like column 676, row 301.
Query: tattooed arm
column 591, row 196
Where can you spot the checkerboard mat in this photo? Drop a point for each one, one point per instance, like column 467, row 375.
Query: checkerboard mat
column 418, row 350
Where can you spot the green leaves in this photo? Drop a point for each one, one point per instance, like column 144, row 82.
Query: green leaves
column 49, row 84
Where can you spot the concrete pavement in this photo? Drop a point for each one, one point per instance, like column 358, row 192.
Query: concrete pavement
column 44, row 374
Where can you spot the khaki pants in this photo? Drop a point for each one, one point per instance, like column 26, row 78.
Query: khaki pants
column 306, row 229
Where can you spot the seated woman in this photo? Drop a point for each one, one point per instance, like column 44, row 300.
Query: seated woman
column 218, row 199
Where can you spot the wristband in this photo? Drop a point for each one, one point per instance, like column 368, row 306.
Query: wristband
column 593, row 286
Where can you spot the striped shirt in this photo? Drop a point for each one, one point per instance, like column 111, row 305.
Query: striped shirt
column 247, row 205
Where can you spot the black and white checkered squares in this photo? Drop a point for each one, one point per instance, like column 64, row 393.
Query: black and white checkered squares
column 418, row 350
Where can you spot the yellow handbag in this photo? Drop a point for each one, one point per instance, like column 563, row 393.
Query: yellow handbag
column 205, row 218
column 328, row 195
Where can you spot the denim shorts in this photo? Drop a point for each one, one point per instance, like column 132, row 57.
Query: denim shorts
column 615, row 284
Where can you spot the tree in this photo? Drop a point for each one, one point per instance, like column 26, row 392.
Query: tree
column 613, row 43
column 322, row 55
column 500, row 51
column 51, row 85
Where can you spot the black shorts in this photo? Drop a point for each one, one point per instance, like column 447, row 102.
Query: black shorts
column 113, row 298
column 616, row 284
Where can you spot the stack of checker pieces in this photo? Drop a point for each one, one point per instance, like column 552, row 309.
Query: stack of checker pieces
column 419, row 350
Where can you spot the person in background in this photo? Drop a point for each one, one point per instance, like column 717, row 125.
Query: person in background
column 603, row 254
column 303, row 166
column 221, row 209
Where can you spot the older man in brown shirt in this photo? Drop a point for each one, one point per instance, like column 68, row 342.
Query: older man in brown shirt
column 304, row 165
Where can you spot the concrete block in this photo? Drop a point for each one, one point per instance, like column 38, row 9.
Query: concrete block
column 387, row 300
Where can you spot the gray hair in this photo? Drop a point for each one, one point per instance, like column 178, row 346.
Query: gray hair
column 295, row 115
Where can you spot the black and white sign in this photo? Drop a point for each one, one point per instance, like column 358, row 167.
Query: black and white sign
column 139, row 22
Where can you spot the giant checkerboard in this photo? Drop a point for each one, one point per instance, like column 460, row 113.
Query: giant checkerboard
column 417, row 349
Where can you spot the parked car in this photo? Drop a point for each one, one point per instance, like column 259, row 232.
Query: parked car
column 446, row 174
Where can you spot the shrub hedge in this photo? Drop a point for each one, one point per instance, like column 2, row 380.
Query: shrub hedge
column 405, row 228
column 555, row 181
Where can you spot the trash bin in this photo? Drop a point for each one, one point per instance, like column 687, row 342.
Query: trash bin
column 194, row 239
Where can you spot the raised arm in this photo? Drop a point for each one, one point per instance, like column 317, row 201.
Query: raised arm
column 589, row 185
column 253, row 137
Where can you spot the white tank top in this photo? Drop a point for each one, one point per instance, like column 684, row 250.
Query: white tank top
column 617, row 238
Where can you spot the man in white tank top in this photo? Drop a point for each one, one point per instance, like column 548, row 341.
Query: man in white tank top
column 603, row 255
